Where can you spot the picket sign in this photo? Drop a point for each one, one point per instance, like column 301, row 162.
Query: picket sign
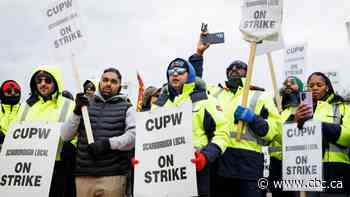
column 261, row 20
column 295, row 60
column 64, row 27
column 67, row 40
column 164, row 150
column 27, row 159
column 302, row 157
column 267, row 46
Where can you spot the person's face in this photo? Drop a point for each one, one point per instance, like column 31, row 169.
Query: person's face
column 154, row 98
column 90, row 90
column 109, row 84
column 290, row 86
column 177, row 77
column 318, row 87
column 44, row 85
column 237, row 71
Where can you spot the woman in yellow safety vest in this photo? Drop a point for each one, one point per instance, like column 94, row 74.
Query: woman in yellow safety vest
column 333, row 112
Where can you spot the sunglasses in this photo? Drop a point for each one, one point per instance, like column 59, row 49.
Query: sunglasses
column 239, row 67
column 176, row 70
column 45, row 79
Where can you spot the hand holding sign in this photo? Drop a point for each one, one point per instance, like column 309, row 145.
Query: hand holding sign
column 80, row 101
column 246, row 86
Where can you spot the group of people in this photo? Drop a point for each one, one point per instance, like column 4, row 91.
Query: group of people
column 225, row 167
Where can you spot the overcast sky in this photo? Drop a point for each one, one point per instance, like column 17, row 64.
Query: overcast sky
column 146, row 35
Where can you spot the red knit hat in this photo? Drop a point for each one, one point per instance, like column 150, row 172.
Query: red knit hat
column 11, row 83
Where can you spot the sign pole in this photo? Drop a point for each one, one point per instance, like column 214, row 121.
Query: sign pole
column 84, row 110
column 303, row 194
column 246, row 86
column 274, row 82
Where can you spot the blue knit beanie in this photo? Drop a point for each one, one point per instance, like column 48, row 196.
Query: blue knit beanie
column 179, row 62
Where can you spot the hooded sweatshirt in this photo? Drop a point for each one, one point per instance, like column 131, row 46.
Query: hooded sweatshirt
column 36, row 109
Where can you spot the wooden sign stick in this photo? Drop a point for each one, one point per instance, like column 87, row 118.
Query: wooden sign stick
column 274, row 82
column 84, row 110
column 246, row 86
column 303, row 194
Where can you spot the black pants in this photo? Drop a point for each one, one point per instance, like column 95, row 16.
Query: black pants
column 63, row 180
column 57, row 187
column 203, row 182
column 62, row 183
column 229, row 187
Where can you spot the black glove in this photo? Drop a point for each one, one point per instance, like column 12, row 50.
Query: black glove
column 99, row 147
column 80, row 101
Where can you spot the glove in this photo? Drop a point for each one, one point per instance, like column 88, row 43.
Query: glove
column 99, row 147
column 134, row 162
column 80, row 101
column 244, row 114
column 200, row 160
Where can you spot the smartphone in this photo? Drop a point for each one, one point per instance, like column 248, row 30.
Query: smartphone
column 306, row 98
column 214, row 38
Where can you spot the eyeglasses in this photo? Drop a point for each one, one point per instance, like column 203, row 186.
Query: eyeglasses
column 45, row 79
column 176, row 70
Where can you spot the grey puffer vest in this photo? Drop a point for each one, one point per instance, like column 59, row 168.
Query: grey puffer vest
column 107, row 120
